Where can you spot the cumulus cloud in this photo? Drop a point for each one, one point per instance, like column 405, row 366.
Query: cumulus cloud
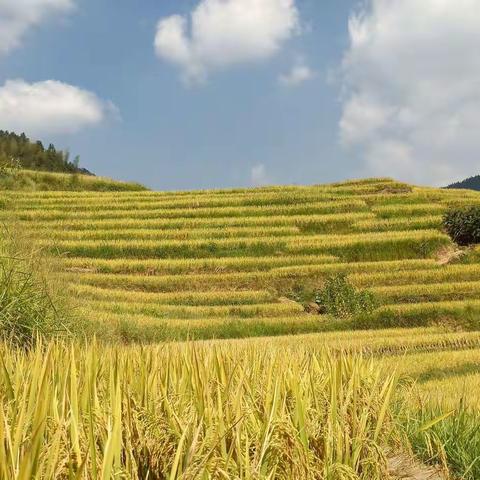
column 49, row 107
column 411, row 102
column 17, row 17
column 299, row 73
column 221, row 33
column 258, row 175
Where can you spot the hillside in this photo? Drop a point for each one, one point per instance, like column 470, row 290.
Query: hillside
column 24, row 180
column 242, row 262
column 471, row 183
column 19, row 149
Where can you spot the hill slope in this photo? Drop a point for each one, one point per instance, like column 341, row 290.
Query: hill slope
column 50, row 181
column 471, row 183
column 229, row 263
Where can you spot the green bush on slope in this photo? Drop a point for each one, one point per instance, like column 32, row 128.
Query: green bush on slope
column 341, row 299
column 463, row 225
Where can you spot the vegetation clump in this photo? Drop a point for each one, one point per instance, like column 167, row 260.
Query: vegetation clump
column 451, row 439
column 8, row 166
column 28, row 307
column 463, row 225
column 340, row 298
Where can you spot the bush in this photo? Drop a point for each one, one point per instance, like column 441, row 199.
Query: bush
column 8, row 166
column 463, row 225
column 28, row 305
column 341, row 299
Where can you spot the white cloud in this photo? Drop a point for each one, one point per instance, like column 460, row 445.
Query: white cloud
column 17, row 17
column 411, row 97
column 298, row 74
column 221, row 33
column 49, row 107
column 258, row 175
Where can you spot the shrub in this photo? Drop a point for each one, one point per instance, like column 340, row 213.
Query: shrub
column 341, row 299
column 463, row 225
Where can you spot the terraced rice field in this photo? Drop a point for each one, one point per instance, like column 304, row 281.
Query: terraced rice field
column 228, row 263
column 223, row 267
column 444, row 364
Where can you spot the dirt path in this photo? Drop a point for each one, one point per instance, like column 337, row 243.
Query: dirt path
column 403, row 467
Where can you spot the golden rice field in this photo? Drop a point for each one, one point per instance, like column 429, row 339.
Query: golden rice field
column 193, row 413
column 230, row 263
column 267, row 390
column 307, row 407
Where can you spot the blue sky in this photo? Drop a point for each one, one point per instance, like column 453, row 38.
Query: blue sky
column 313, row 102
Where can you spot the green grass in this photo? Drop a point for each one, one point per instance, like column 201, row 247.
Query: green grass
column 455, row 314
column 193, row 265
column 179, row 297
column 444, row 273
column 454, row 441
column 428, row 292
column 170, row 234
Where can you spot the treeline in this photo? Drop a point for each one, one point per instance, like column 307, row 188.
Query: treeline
column 472, row 183
column 21, row 151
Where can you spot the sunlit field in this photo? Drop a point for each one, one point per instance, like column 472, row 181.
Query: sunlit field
column 226, row 263
column 195, row 355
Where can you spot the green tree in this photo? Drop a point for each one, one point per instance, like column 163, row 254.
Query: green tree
column 34, row 156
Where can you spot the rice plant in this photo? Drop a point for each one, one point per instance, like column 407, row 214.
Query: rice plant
column 68, row 411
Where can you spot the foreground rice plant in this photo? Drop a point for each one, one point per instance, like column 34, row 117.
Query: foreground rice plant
column 191, row 412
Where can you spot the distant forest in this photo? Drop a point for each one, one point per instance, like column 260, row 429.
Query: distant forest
column 472, row 183
column 20, row 150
